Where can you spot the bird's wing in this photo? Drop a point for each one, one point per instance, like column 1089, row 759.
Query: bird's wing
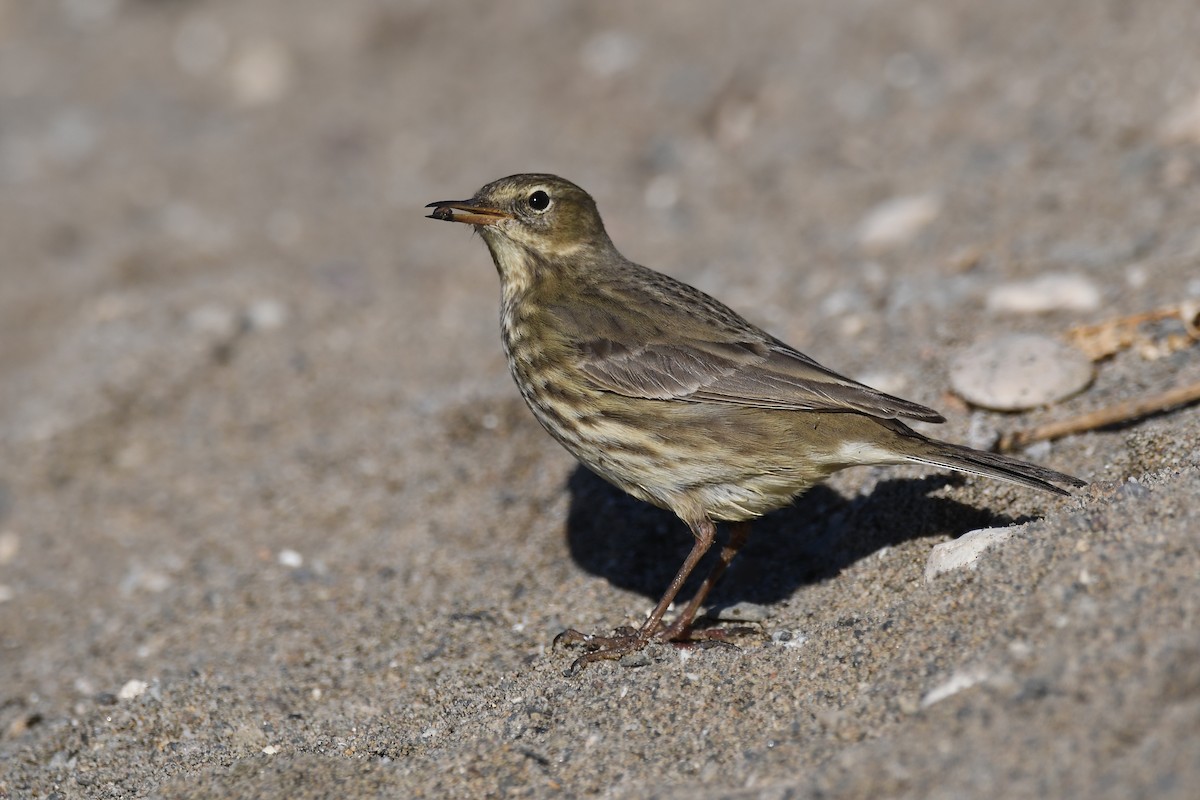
column 692, row 361
column 761, row 375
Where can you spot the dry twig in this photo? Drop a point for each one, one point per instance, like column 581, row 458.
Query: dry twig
column 1102, row 418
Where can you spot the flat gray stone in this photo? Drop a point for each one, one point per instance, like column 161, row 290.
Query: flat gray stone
column 1019, row 371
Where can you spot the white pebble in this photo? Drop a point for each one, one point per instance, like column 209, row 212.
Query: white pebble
column 133, row 688
column 291, row 559
column 957, row 682
column 787, row 638
column 1053, row 292
column 741, row 612
column 898, row 220
column 266, row 314
column 963, row 551
column 1019, row 371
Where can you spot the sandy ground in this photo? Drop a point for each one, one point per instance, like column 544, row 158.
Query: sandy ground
column 274, row 522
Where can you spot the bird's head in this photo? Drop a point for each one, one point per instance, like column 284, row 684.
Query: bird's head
column 530, row 220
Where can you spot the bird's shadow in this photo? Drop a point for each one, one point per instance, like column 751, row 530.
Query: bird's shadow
column 639, row 547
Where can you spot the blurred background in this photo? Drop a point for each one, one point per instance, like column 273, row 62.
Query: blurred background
column 202, row 151
column 256, row 429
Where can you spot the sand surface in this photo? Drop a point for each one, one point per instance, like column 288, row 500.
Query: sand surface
column 275, row 523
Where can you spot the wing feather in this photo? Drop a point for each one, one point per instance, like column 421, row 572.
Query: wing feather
column 644, row 343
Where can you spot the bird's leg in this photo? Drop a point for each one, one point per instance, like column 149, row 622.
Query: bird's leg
column 627, row 641
column 679, row 630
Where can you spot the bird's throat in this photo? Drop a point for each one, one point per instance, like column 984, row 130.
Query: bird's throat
column 519, row 267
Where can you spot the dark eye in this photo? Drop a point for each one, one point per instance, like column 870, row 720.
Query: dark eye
column 539, row 200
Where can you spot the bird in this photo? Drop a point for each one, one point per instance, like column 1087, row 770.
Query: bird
column 675, row 398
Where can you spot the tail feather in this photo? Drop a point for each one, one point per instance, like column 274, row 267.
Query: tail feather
column 977, row 462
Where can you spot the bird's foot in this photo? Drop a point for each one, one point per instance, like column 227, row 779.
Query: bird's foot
column 625, row 641
column 622, row 642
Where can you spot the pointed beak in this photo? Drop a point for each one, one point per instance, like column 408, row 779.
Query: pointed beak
column 466, row 211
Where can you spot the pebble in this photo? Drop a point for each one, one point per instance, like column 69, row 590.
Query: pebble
column 635, row 659
column 898, row 221
column 1019, row 371
column 1058, row 291
column 267, row 314
column 1133, row 489
column 963, row 679
column 788, row 638
column 741, row 612
column 963, row 551
column 131, row 689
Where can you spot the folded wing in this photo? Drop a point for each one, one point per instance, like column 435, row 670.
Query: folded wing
column 761, row 374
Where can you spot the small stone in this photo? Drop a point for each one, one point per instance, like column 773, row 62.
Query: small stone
column 1038, row 451
column 1019, row 371
column 741, row 612
column 1133, row 489
column 639, row 658
column 963, row 551
column 1045, row 293
column 787, row 638
column 131, row 689
column 898, row 221
column 290, row 559
column 957, row 682
column 267, row 314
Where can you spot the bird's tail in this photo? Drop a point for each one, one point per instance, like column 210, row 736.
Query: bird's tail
column 977, row 462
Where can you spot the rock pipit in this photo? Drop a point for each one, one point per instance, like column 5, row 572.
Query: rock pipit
column 672, row 396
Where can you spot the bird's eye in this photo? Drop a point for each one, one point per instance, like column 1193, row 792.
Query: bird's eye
column 539, row 200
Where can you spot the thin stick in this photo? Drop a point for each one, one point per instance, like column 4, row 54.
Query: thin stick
column 1113, row 415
